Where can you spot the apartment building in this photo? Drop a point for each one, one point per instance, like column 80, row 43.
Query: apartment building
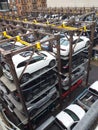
column 26, row 6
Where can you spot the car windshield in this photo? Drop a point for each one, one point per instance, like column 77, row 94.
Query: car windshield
column 9, row 46
column 64, row 42
column 72, row 114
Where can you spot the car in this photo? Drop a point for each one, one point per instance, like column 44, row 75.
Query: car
column 47, row 45
column 77, row 60
column 88, row 97
column 12, row 45
column 3, row 89
column 37, row 62
column 80, row 71
column 78, row 44
column 65, row 93
column 44, row 82
column 30, row 37
column 39, row 102
column 65, row 120
column 70, row 116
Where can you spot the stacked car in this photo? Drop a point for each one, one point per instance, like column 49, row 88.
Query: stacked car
column 68, row 118
column 36, row 77
column 79, row 57
column 39, row 68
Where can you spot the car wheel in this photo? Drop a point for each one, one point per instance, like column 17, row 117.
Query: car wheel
column 52, row 63
column 25, row 78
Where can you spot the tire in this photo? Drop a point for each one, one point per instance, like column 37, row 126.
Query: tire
column 25, row 78
column 52, row 63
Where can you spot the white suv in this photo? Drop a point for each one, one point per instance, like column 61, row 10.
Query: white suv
column 31, row 63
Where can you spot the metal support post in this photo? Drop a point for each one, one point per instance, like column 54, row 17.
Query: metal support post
column 8, row 59
column 59, row 68
column 90, row 51
column 70, row 58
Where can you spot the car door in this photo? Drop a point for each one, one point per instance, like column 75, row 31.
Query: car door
column 36, row 64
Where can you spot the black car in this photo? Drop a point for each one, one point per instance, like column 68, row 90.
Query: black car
column 36, row 86
column 76, row 61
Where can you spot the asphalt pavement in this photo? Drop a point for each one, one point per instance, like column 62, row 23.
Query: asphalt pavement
column 93, row 76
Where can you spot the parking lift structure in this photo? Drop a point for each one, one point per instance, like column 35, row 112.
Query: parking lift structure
column 66, row 28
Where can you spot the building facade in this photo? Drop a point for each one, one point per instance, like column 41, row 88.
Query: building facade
column 23, row 6
column 72, row 3
column 26, row 6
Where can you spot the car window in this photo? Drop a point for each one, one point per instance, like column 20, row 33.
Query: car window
column 77, row 41
column 35, row 59
column 38, row 58
column 73, row 125
column 64, row 42
column 21, row 64
column 72, row 114
column 26, row 53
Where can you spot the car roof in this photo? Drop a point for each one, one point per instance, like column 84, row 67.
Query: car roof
column 65, row 119
column 94, row 86
column 76, row 37
column 79, row 111
column 18, row 58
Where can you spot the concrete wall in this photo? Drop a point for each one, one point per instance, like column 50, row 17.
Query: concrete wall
column 72, row 3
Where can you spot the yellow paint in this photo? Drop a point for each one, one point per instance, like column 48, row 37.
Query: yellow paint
column 38, row 46
column 34, row 21
column 18, row 38
column 85, row 28
column 7, row 36
column 25, row 20
column 17, row 18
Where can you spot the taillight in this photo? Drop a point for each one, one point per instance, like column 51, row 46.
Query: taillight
column 65, row 67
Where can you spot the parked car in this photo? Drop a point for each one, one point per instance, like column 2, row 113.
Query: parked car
column 80, row 71
column 65, row 120
column 39, row 102
column 77, row 60
column 65, row 93
column 11, row 45
column 87, row 98
column 78, row 44
column 30, row 37
column 31, row 90
column 35, row 63
column 70, row 116
column 3, row 89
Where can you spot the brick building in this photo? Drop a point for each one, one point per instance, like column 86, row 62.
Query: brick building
column 26, row 6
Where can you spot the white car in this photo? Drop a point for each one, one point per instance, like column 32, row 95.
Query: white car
column 37, row 62
column 65, row 120
column 78, row 44
column 70, row 116
column 80, row 71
